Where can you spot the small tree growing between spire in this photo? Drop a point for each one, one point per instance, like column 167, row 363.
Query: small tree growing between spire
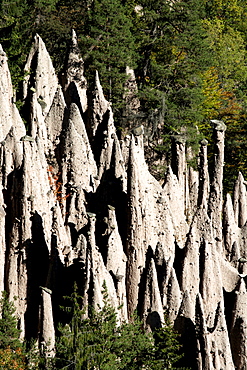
column 100, row 342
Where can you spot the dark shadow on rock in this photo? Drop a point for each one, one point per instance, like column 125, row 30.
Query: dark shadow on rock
column 11, row 194
column 153, row 320
column 237, row 338
column 73, row 233
column 202, row 261
column 89, row 118
column 26, row 108
column 143, row 281
column 71, row 96
column 178, row 262
column 186, row 328
column 109, row 193
column 161, row 266
column 229, row 300
column 100, row 137
column 37, row 264
column 201, row 335
column 216, row 319
column 59, row 149
column 62, row 280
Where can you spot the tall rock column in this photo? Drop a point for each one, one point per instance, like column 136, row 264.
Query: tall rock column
column 239, row 327
column 133, row 244
column 132, row 103
column 215, row 198
column 203, row 177
column 179, row 161
column 75, row 84
column 48, row 332
column 39, row 87
column 239, row 201
column 2, row 240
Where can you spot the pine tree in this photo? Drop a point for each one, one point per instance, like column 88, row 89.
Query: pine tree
column 100, row 342
column 165, row 339
column 108, row 46
column 11, row 349
column 20, row 21
column 14, row 36
column 87, row 342
column 9, row 333
column 173, row 52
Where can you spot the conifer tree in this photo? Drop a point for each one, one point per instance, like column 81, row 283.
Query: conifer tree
column 108, row 46
column 100, row 342
column 87, row 342
column 9, row 333
column 11, row 349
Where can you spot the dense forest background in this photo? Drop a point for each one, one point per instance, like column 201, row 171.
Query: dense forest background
column 189, row 59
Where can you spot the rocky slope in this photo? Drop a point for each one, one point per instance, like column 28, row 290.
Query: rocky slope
column 78, row 204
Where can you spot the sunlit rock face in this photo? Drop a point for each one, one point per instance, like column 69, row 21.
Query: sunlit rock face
column 78, row 205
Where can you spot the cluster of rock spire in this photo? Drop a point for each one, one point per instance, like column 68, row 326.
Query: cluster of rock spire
column 78, row 204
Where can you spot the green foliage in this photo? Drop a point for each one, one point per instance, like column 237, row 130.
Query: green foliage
column 108, row 46
column 9, row 334
column 88, row 342
column 165, row 339
column 174, row 52
column 50, row 25
column 13, row 36
column 12, row 355
column 99, row 342
column 135, row 348
column 11, row 359
column 20, row 21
